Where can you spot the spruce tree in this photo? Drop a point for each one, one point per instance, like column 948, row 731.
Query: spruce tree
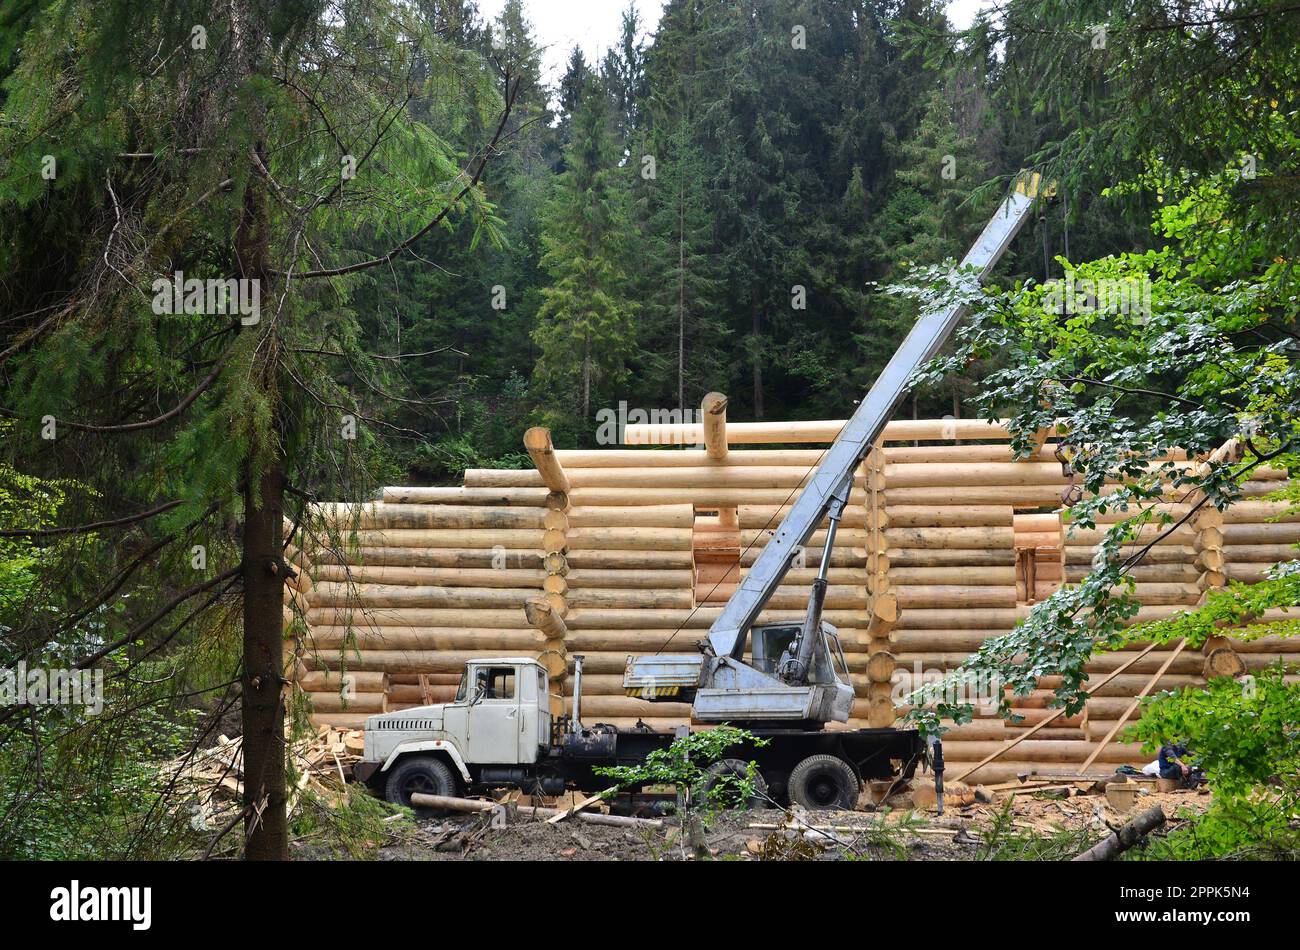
column 245, row 141
column 586, row 323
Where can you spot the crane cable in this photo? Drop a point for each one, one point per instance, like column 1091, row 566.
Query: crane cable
column 812, row 468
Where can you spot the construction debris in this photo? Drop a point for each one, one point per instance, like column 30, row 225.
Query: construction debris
column 210, row 781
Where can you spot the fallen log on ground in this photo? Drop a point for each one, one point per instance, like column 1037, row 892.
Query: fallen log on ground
column 1129, row 834
column 473, row 805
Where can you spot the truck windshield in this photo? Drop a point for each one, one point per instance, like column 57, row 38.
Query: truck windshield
column 839, row 665
column 463, row 688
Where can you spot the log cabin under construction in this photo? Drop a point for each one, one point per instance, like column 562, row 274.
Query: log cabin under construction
column 947, row 540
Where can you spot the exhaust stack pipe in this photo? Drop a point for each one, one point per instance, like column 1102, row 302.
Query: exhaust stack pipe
column 575, row 723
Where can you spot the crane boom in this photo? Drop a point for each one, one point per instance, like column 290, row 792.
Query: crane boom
column 728, row 633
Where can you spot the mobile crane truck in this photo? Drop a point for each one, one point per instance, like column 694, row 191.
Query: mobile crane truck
column 498, row 731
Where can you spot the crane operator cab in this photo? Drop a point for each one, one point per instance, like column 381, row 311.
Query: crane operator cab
column 728, row 689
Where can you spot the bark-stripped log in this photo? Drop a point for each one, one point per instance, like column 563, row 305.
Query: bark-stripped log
column 713, row 412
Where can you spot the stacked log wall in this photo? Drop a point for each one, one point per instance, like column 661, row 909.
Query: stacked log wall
column 923, row 572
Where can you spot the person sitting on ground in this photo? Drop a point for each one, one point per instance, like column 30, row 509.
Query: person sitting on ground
column 1171, row 764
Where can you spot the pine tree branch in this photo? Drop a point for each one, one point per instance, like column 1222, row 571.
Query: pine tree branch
column 165, row 417
column 511, row 92
column 116, row 584
column 96, row 525
column 155, row 617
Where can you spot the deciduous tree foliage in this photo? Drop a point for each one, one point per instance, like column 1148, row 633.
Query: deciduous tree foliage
column 1208, row 356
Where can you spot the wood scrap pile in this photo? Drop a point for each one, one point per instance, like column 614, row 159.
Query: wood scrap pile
column 1048, row 804
column 209, row 782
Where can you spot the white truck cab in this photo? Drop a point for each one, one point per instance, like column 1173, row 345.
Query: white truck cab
column 499, row 719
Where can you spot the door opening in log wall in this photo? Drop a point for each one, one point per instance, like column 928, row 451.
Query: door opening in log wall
column 1040, row 560
column 716, row 549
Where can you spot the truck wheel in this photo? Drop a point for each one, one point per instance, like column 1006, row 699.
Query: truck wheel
column 824, row 781
column 720, row 781
column 422, row 773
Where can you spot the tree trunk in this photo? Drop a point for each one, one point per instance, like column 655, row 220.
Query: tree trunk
column 681, row 301
column 1130, row 834
column 586, row 382
column 266, row 826
column 266, row 821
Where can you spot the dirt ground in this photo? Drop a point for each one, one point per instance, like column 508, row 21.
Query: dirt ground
column 1028, row 824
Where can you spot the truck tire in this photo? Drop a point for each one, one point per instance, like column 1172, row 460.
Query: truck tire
column 824, row 781
column 421, row 773
column 725, row 769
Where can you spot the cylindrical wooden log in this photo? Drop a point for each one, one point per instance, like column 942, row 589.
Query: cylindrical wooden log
column 457, row 495
column 624, row 561
column 713, row 413
column 1248, row 573
column 366, row 617
column 935, row 595
column 431, row 576
column 793, row 433
column 686, row 458
column 629, row 539
column 321, row 682
column 480, row 558
column 455, row 538
column 595, row 706
column 961, row 755
column 966, row 516
column 1260, row 511
column 1146, row 533
column 590, row 577
column 701, row 495
column 348, row 720
column 401, row 661
column 955, row 496
column 641, row 598
column 633, row 516
column 976, row 473
column 1146, row 573
column 542, row 614
column 1223, row 662
column 402, row 694
column 908, row 643
column 1260, row 553
column 537, row 441
column 962, row 454
column 457, row 517
column 1128, row 835
column 1160, row 554
column 959, row 575
column 356, row 703
column 1280, row 533
column 388, row 595
column 422, row 638
column 433, row 679
column 940, row 557
column 984, row 537
column 651, row 479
